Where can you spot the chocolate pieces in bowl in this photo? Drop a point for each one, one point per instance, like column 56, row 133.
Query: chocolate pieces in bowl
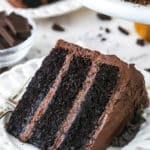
column 14, row 29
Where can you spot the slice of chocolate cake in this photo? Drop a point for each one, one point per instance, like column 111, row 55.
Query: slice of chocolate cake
column 30, row 3
column 78, row 100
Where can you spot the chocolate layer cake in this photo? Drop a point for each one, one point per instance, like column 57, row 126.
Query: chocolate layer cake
column 78, row 100
column 30, row 3
column 143, row 2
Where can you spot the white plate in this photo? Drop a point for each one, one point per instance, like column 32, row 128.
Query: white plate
column 49, row 10
column 12, row 82
column 119, row 8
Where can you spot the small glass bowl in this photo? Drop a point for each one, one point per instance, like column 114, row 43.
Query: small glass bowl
column 12, row 55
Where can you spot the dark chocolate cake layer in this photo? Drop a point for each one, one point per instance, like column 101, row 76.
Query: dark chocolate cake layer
column 80, row 109
column 61, row 103
column 92, row 108
column 36, row 91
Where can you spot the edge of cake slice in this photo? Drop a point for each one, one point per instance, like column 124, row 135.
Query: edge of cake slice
column 128, row 98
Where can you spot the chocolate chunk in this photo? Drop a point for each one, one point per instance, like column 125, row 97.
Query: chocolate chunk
column 147, row 69
column 58, row 27
column 107, row 30
column 10, row 25
column 123, row 30
column 14, row 29
column 140, row 42
column 103, row 39
column 20, row 23
column 104, row 17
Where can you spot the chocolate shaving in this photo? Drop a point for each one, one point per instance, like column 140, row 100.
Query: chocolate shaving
column 123, row 30
column 147, row 69
column 104, row 17
column 140, row 42
column 107, row 30
column 58, row 27
column 103, row 39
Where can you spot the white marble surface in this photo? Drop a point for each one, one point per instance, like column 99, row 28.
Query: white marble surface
column 84, row 26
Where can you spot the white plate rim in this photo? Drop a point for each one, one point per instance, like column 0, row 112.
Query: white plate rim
column 121, row 9
column 50, row 10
